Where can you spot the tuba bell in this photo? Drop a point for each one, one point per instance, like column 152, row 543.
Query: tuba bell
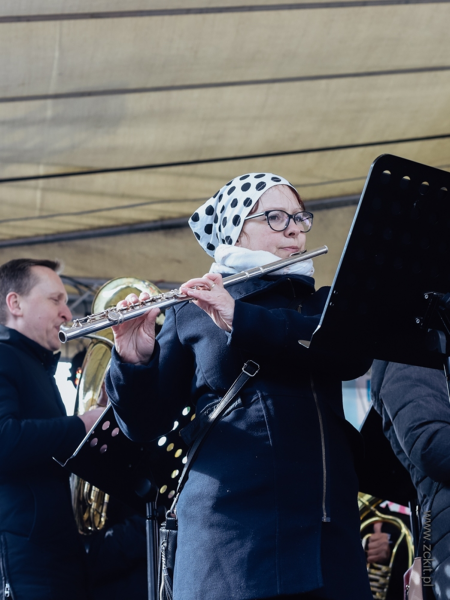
column 89, row 503
column 380, row 575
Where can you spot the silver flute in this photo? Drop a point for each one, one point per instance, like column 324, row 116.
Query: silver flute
column 117, row 315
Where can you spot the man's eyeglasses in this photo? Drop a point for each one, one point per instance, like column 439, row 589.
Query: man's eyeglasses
column 279, row 220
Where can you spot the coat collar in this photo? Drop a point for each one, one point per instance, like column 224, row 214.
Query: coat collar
column 18, row 340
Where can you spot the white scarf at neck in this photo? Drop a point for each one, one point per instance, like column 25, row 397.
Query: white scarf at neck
column 234, row 259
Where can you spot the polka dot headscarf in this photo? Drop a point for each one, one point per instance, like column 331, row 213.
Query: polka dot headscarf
column 221, row 218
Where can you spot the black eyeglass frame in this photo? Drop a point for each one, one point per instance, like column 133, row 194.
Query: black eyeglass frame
column 266, row 213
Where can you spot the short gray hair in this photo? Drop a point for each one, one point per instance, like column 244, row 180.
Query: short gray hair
column 16, row 276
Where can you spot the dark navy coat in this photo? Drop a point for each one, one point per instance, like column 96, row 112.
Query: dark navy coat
column 414, row 404
column 270, row 506
column 41, row 555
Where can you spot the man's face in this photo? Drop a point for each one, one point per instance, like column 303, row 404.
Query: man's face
column 44, row 309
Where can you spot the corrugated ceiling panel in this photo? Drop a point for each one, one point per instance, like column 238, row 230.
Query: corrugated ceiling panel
column 336, row 100
column 122, row 54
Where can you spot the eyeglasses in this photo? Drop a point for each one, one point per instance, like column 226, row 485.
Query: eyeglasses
column 279, row 220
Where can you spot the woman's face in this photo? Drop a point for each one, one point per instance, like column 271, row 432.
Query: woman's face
column 256, row 233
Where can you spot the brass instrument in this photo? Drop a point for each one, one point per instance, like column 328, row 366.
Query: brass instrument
column 380, row 575
column 114, row 316
column 89, row 502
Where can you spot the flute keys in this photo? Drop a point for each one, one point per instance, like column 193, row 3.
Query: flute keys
column 94, row 318
column 114, row 316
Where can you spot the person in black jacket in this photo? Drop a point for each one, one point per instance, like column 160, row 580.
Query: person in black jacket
column 414, row 404
column 269, row 509
column 41, row 555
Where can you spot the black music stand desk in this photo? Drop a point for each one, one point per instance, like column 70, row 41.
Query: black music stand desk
column 397, row 251
column 107, row 459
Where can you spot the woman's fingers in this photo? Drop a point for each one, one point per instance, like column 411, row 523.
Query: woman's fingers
column 135, row 338
column 199, row 283
column 210, row 295
column 214, row 277
column 130, row 299
column 133, row 299
column 205, row 283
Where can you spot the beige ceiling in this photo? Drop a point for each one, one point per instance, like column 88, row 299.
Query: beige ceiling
column 123, row 83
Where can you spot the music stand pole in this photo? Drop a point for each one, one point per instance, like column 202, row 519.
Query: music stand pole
column 146, row 490
column 151, row 528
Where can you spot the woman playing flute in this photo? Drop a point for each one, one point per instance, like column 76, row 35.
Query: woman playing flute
column 269, row 509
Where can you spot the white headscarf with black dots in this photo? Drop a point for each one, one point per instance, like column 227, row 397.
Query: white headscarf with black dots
column 221, row 218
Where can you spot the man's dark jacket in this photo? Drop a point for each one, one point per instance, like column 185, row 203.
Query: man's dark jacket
column 414, row 405
column 41, row 555
column 269, row 507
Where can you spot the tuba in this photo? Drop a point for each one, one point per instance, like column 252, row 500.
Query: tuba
column 380, row 575
column 89, row 503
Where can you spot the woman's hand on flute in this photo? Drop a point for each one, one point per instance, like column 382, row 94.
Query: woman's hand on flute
column 135, row 339
column 209, row 294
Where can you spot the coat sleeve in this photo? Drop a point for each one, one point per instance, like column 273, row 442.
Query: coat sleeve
column 417, row 403
column 26, row 443
column 264, row 331
column 267, row 332
column 146, row 398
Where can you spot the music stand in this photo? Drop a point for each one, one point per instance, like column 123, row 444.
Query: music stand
column 132, row 472
column 397, row 251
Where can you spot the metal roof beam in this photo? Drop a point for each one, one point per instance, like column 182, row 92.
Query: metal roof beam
column 324, row 204
column 220, row 84
column 185, row 163
column 210, row 10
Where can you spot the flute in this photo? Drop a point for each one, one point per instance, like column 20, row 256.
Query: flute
column 116, row 316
